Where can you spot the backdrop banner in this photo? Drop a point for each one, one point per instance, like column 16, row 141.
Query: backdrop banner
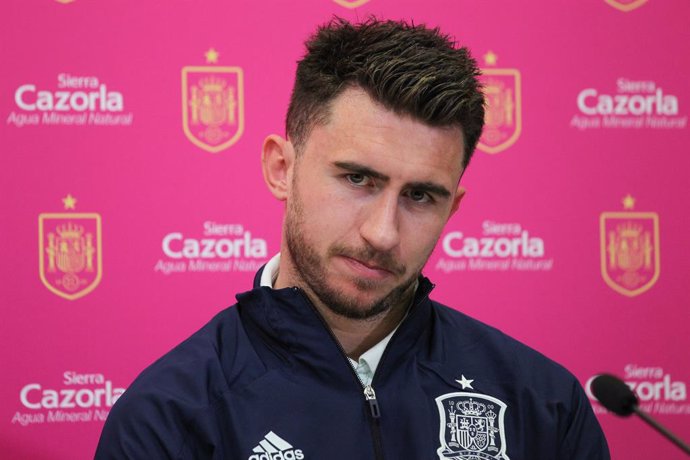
column 135, row 209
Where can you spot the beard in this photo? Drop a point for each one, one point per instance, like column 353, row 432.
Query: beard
column 312, row 271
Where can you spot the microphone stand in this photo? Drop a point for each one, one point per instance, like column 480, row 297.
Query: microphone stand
column 661, row 429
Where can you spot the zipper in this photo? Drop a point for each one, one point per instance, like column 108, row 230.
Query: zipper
column 422, row 297
column 370, row 397
column 369, row 393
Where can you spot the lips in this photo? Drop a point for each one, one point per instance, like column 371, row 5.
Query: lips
column 370, row 265
column 367, row 262
column 367, row 269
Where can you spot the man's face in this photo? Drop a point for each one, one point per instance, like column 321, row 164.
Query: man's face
column 369, row 196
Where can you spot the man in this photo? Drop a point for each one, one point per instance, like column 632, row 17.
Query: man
column 337, row 352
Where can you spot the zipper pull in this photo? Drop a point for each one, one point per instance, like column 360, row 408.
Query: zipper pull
column 370, row 397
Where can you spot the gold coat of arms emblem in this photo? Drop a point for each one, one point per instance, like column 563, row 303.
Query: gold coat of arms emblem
column 70, row 252
column 503, row 118
column 630, row 258
column 351, row 3
column 212, row 104
column 626, row 5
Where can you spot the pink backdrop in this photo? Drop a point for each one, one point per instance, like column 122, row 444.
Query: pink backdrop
column 125, row 145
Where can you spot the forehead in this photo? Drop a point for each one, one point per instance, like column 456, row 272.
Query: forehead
column 359, row 128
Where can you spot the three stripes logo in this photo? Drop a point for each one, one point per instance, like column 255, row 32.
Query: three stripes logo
column 273, row 447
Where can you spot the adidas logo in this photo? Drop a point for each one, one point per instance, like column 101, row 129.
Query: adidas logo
column 273, row 447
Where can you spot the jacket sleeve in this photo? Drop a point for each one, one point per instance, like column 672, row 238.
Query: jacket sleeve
column 583, row 437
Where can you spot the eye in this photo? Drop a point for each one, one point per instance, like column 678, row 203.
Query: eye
column 419, row 196
column 357, row 179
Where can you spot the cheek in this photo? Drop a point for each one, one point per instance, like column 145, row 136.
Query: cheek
column 420, row 236
column 327, row 217
column 329, row 202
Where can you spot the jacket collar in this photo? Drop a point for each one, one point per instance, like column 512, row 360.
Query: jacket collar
column 289, row 330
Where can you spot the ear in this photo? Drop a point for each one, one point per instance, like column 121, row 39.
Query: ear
column 277, row 160
column 459, row 194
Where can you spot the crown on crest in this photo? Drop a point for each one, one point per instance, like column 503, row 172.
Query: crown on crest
column 472, row 408
column 629, row 229
column 212, row 84
column 70, row 230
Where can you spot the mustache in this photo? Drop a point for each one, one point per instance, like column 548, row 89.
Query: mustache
column 371, row 257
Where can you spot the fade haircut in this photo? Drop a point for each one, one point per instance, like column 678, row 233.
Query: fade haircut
column 409, row 69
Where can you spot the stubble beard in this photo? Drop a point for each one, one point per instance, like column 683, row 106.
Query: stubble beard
column 312, row 272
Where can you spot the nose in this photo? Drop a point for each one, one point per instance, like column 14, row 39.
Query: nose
column 380, row 222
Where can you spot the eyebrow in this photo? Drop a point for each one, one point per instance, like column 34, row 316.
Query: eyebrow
column 425, row 186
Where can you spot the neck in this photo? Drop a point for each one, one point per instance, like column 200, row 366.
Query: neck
column 354, row 335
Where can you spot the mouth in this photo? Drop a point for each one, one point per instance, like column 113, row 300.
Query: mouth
column 367, row 269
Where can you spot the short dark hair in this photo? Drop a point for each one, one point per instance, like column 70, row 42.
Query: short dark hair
column 409, row 69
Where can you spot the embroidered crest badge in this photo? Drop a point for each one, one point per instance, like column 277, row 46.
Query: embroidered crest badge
column 472, row 427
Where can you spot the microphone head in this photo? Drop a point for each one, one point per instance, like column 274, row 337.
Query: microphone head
column 614, row 394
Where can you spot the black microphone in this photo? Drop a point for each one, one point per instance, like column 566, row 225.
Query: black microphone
column 617, row 397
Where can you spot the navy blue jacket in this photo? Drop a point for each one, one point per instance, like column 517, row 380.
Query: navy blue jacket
column 266, row 380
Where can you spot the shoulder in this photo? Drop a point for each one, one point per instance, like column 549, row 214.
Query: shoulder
column 541, row 390
column 164, row 400
column 194, row 369
column 491, row 349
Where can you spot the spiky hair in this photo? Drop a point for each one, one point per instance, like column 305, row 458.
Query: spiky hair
column 409, row 69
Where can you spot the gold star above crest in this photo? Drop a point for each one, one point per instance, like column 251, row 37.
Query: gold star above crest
column 211, row 56
column 490, row 58
column 628, row 202
column 69, row 201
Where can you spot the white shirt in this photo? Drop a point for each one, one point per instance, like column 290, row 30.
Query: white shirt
column 368, row 361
